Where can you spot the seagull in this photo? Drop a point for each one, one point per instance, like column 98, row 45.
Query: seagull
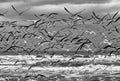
column 76, row 14
column 3, row 14
column 19, row 13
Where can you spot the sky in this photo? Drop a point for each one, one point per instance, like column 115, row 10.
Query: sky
column 48, row 6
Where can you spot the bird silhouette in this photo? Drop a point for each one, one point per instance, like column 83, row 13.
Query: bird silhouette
column 98, row 19
column 111, row 20
column 52, row 14
column 19, row 13
column 117, row 19
column 3, row 14
column 34, row 65
column 95, row 15
column 72, row 13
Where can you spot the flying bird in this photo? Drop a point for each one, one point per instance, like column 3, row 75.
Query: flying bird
column 34, row 65
column 112, row 18
column 52, row 14
column 19, row 13
column 95, row 15
column 3, row 14
column 117, row 19
column 42, row 15
column 72, row 13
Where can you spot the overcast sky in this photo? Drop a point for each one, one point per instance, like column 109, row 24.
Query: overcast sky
column 47, row 6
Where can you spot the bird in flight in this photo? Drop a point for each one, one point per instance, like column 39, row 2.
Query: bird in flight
column 19, row 13
column 3, row 14
column 72, row 13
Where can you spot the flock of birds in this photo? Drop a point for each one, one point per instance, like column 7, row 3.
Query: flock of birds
column 79, row 40
column 50, row 37
column 72, row 17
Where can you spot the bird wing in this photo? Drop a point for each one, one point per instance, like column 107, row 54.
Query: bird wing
column 115, row 15
column 68, row 11
column 52, row 14
column 95, row 15
column 14, row 9
column 117, row 19
column 42, row 15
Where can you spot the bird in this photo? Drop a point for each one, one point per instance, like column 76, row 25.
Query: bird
column 63, row 39
column 75, row 38
column 34, row 76
column 72, row 13
column 14, row 47
column 34, row 65
column 19, row 13
column 12, row 22
column 98, row 19
column 82, row 45
column 25, row 63
column 112, row 18
column 95, row 15
column 10, row 34
column 42, row 15
column 117, row 19
column 3, row 14
column 52, row 14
